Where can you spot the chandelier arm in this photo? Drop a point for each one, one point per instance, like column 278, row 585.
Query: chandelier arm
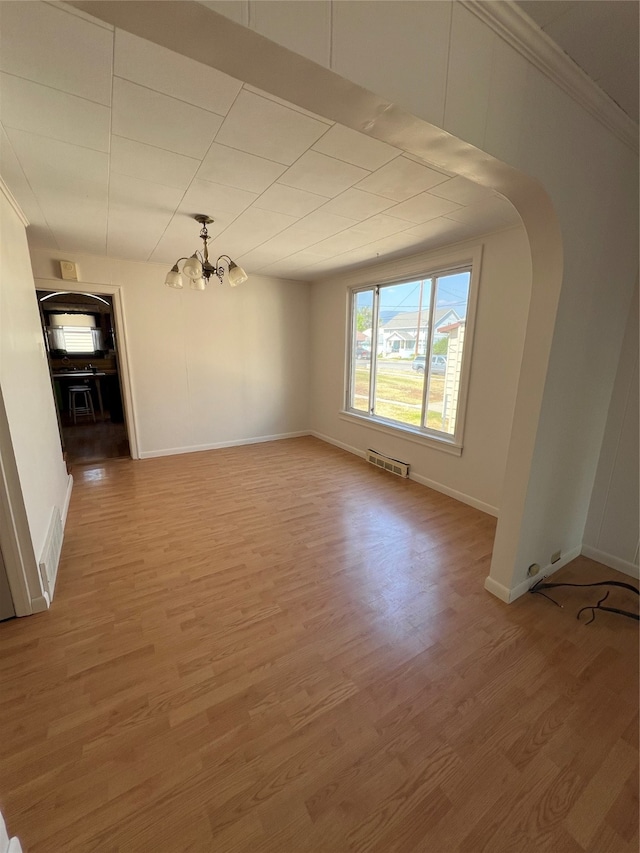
column 220, row 269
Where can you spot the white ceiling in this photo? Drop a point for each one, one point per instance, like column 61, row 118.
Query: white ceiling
column 110, row 147
column 601, row 36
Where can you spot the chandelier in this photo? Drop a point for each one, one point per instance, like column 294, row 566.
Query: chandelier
column 199, row 270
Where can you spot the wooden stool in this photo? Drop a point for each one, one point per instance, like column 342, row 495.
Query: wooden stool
column 80, row 402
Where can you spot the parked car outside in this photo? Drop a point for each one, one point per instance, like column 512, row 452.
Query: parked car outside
column 438, row 363
column 363, row 352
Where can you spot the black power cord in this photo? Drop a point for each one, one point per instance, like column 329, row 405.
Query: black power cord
column 540, row 585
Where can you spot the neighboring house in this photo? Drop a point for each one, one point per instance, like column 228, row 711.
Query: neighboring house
column 399, row 334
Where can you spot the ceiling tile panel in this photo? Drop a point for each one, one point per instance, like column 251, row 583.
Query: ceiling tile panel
column 401, row 179
column 181, row 239
column 462, row 191
column 60, row 50
column 138, row 212
column 170, row 73
column 70, row 184
column 441, row 232
column 356, row 204
column 381, row 226
column 356, row 148
column 282, row 199
column 143, row 195
column 38, row 109
column 221, row 203
column 290, row 132
column 257, row 258
column 339, row 243
column 38, row 231
column 234, row 168
column 249, row 230
column 146, row 116
column 269, row 96
column 301, row 259
column 423, row 207
column 151, row 164
column 486, row 215
column 322, row 224
column 323, row 175
column 291, row 240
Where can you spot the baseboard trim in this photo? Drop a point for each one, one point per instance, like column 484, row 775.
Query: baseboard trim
column 509, row 595
column 611, row 561
column 418, row 478
column 67, row 501
column 40, row 603
column 498, row 589
column 198, row 448
column 348, row 447
column 453, row 493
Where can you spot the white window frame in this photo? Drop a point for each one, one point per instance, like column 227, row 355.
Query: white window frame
column 410, row 269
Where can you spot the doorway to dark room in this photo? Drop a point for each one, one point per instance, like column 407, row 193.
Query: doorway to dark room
column 81, row 344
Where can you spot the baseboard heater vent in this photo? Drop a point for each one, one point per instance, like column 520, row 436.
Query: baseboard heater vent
column 400, row 469
column 51, row 552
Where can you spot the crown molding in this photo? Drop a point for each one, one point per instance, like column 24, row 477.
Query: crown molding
column 6, row 192
column 520, row 32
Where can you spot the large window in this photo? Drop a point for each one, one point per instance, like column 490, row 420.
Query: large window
column 408, row 366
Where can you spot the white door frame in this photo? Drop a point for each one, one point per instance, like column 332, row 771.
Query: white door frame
column 124, row 371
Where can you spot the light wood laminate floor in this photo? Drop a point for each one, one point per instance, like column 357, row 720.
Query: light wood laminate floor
column 280, row 648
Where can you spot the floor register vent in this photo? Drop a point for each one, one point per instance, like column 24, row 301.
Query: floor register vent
column 400, row 469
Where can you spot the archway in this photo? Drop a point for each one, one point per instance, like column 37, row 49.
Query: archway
column 209, row 38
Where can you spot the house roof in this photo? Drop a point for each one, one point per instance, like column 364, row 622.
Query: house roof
column 409, row 319
column 451, row 326
column 404, row 336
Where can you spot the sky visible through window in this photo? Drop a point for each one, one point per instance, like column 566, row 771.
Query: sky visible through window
column 453, row 292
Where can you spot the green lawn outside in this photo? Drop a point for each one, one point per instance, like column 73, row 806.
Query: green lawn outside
column 399, row 396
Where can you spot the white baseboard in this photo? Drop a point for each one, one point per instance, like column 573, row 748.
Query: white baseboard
column 499, row 590
column 40, row 603
column 67, row 501
column 611, row 561
column 340, row 444
column 509, row 595
column 453, row 493
column 418, row 478
column 198, row 448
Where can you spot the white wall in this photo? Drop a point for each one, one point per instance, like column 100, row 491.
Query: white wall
column 503, row 300
column 27, row 396
column 208, row 368
column 612, row 529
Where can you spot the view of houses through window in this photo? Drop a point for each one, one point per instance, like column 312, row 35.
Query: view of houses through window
column 407, row 350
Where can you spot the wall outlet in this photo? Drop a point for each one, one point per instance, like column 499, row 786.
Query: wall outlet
column 533, row 569
column 556, row 556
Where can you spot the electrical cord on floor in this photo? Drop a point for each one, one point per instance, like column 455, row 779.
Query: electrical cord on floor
column 540, row 585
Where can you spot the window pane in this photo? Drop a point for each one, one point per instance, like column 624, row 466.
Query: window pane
column 403, row 318
column 361, row 353
column 452, row 297
column 78, row 339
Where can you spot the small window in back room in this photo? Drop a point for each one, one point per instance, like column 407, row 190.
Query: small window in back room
column 74, row 333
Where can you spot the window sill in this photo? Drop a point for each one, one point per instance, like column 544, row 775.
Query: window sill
column 401, row 431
